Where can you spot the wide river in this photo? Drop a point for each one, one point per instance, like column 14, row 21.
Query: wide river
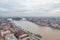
column 47, row 33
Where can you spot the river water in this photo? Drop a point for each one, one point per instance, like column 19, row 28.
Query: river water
column 47, row 33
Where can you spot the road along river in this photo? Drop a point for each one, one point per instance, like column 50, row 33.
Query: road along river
column 47, row 33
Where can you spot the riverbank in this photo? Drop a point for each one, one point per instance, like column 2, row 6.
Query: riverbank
column 47, row 33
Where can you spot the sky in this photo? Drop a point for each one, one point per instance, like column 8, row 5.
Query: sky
column 37, row 8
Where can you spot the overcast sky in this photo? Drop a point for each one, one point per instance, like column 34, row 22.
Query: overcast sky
column 30, row 8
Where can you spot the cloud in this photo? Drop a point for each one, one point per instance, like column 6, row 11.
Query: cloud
column 29, row 7
column 54, row 12
column 3, row 9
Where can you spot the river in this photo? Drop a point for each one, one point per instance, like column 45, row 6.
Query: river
column 47, row 33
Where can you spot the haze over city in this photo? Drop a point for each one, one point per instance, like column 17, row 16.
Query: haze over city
column 35, row 8
column 29, row 19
